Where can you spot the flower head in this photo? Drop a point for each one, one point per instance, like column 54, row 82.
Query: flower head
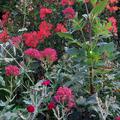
column 51, row 105
column 46, row 83
column 16, row 40
column 67, row 2
column 69, row 12
column 60, row 28
column 33, row 53
column 117, row 118
column 4, row 37
column 65, row 95
column 44, row 11
column 31, row 39
column 50, row 54
column 31, row 108
column 12, row 70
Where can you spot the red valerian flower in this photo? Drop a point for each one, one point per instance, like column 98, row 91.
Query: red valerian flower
column 34, row 53
column 46, row 83
column 67, row 2
column 69, row 12
column 44, row 29
column 31, row 108
column 60, row 28
column 31, row 39
column 12, row 70
column 4, row 37
column 16, row 40
column 86, row 1
column 65, row 95
column 113, row 21
column 50, row 54
column 44, row 11
column 51, row 105
column 117, row 118
column 5, row 17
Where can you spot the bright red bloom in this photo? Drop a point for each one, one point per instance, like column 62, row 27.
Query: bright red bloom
column 50, row 54
column 44, row 11
column 44, row 29
column 113, row 21
column 51, row 105
column 65, row 95
column 67, row 2
column 4, row 37
column 86, row 1
column 5, row 17
column 60, row 28
column 46, row 82
column 31, row 108
column 31, row 39
column 12, row 70
column 117, row 118
column 69, row 12
column 16, row 40
column 33, row 53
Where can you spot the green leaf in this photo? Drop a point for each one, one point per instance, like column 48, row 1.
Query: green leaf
column 65, row 35
column 2, row 82
column 4, row 89
column 98, row 9
column 93, row 2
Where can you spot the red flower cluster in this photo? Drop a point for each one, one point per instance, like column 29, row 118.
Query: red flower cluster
column 4, row 36
column 46, row 83
column 111, row 6
column 12, row 70
column 67, row 2
column 48, row 54
column 51, row 105
column 44, row 29
column 44, row 11
column 117, row 118
column 69, row 13
column 33, row 53
column 31, row 108
column 113, row 21
column 60, row 28
column 5, row 17
column 31, row 39
column 64, row 95
column 16, row 40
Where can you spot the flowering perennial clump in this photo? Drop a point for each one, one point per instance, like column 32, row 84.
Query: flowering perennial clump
column 65, row 96
column 69, row 12
column 44, row 11
column 12, row 70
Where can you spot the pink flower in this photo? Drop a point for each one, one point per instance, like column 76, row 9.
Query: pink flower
column 34, row 53
column 4, row 37
column 113, row 21
column 117, row 118
column 69, row 12
column 31, row 108
column 51, row 105
column 44, row 29
column 50, row 54
column 16, row 40
column 46, row 83
column 60, row 28
column 65, row 95
column 67, row 2
column 12, row 70
column 44, row 11
column 31, row 39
